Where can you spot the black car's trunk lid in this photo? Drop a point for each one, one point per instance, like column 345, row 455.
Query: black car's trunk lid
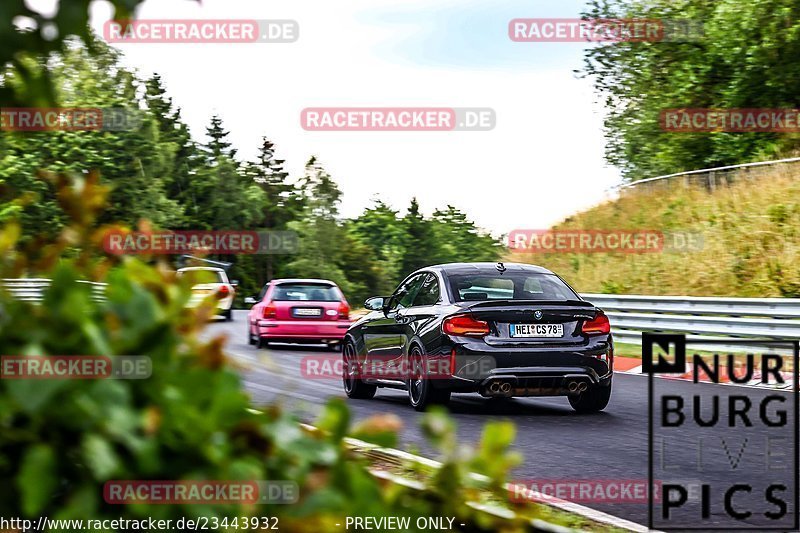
column 534, row 321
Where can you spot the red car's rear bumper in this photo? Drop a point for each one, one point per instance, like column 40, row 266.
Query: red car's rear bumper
column 297, row 329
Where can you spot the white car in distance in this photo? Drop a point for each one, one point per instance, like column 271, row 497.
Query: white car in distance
column 208, row 281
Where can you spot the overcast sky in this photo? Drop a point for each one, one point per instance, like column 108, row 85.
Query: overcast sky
column 541, row 163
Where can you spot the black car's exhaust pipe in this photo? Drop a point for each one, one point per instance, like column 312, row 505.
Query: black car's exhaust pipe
column 498, row 387
column 577, row 386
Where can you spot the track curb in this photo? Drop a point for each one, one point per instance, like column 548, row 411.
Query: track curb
column 535, row 497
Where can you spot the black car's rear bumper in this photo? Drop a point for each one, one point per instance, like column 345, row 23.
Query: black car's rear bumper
column 541, row 381
column 529, row 371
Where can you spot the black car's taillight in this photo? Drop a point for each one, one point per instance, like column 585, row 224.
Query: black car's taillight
column 599, row 325
column 465, row 325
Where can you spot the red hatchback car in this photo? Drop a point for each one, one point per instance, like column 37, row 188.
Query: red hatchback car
column 298, row 310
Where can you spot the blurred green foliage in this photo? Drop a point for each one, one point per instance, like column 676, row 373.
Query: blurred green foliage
column 42, row 35
column 61, row 440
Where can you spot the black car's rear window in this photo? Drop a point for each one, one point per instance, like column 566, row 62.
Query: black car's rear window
column 509, row 286
column 305, row 292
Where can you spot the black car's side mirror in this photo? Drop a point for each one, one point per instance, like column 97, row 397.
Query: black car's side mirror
column 374, row 304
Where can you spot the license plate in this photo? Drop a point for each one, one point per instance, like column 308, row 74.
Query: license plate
column 537, row 330
column 303, row 311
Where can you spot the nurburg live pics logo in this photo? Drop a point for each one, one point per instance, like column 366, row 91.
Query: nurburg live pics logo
column 726, row 457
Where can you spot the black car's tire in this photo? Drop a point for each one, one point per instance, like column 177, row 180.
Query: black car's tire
column 228, row 315
column 421, row 392
column 592, row 400
column 250, row 339
column 353, row 386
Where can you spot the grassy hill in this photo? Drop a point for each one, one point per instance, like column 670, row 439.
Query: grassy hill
column 750, row 230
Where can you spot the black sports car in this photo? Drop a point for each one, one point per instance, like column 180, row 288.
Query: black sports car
column 501, row 330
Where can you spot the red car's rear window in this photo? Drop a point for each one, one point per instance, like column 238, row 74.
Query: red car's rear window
column 305, row 292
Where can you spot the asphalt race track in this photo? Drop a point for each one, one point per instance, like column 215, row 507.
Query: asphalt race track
column 557, row 444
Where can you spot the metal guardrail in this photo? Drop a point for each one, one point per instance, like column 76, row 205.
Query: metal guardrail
column 719, row 320
column 710, row 177
column 32, row 289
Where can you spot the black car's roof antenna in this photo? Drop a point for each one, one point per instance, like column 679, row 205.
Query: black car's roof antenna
column 501, row 267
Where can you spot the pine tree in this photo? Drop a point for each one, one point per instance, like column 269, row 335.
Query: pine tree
column 322, row 193
column 218, row 146
column 421, row 247
column 282, row 202
column 322, row 238
column 461, row 240
column 281, row 196
column 182, row 152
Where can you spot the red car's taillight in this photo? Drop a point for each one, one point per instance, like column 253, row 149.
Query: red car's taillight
column 597, row 326
column 269, row 311
column 465, row 325
column 344, row 311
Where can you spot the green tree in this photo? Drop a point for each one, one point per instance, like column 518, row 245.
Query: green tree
column 460, row 240
column 322, row 237
column 227, row 199
column 421, row 245
column 751, row 66
column 177, row 146
column 132, row 161
column 381, row 230
column 282, row 203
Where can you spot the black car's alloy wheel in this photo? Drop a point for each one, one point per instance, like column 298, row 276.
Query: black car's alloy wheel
column 421, row 392
column 353, row 386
